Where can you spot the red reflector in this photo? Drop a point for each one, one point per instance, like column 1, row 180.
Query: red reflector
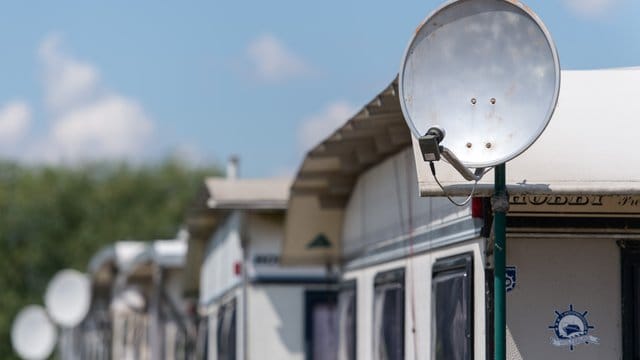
column 237, row 268
column 477, row 207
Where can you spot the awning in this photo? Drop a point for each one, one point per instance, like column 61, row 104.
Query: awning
column 166, row 254
column 105, row 264
column 247, row 193
column 329, row 172
column 217, row 198
column 124, row 258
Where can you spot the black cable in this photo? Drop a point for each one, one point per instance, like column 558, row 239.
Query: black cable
column 466, row 201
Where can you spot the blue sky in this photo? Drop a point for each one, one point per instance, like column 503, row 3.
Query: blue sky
column 265, row 80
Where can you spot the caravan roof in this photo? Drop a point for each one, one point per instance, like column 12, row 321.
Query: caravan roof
column 217, row 198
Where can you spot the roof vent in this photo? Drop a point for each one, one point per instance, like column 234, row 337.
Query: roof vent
column 320, row 241
column 233, row 165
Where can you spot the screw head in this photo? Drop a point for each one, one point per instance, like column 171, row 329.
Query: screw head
column 473, row 101
column 488, row 145
column 492, row 101
column 469, row 145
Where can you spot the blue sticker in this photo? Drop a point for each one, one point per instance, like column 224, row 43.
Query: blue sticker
column 571, row 328
column 510, row 277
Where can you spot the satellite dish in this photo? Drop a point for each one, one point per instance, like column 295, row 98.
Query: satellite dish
column 129, row 299
column 33, row 336
column 485, row 71
column 68, row 297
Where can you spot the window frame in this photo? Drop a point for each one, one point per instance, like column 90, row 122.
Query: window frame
column 385, row 279
column 447, row 266
column 349, row 286
column 226, row 324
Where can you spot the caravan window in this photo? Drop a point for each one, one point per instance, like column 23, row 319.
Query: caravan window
column 388, row 315
column 452, row 308
column 630, row 300
column 202, row 340
column 226, row 331
column 347, row 321
column 321, row 325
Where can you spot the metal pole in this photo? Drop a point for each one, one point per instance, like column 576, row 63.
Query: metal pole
column 500, row 204
column 155, row 329
column 244, row 242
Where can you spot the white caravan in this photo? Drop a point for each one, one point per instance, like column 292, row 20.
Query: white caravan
column 250, row 306
column 137, row 311
column 416, row 272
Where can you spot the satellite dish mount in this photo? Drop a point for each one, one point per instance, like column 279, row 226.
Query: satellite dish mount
column 488, row 73
column 432, row 151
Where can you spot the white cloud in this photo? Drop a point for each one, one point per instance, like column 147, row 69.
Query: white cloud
column 88, row 121
column 67, row 81
column 591, row 8
column 15, row 119
column 189, row 153
column 272, row 61
column 318, row 126
column 109, row 127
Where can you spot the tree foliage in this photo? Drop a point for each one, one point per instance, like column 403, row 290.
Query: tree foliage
column 52, row 218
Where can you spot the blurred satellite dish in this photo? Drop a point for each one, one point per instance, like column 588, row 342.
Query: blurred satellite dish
column 132, row 296
column 33, row 336
column 129, row 299
column 485, row 71
column 68, row 297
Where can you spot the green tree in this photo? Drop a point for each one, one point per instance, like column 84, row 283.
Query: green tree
column 52, row 218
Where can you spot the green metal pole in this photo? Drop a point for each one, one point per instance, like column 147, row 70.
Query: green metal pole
column 500, row 207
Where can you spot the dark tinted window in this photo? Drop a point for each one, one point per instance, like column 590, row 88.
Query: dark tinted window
column 321, row 325
column 630, row 299
column 388, row 315
column 226, row 331
column 452, row 299
column 231, row 334
column 220, row 347
column 202, row 341
column 347, row 321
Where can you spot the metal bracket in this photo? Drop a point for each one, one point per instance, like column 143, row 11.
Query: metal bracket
column 462, row 170
column 500, row 202
column 432, row 151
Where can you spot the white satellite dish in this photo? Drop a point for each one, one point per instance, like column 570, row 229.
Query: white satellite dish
column 129, row 299
column 68, row 297
column 33, row 336
column 485, row 71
